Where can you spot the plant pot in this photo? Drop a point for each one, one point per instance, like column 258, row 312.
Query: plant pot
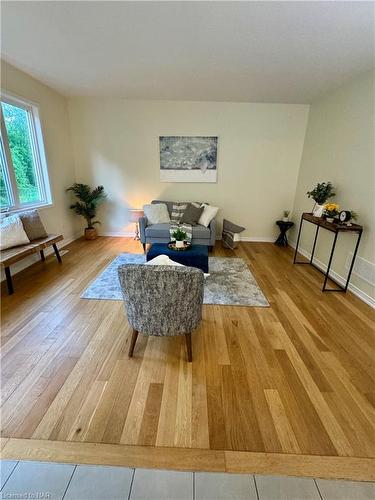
column 285, row 219
column 330, row 219
column 318, row 210
column 91, row 233
column 179, row 244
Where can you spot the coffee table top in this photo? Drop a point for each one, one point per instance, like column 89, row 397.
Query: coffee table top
column 162, row 248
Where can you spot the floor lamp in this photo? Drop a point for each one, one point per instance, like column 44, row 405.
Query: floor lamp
column 135, row 214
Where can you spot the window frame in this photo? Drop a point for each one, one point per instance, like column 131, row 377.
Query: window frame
column 38, row 154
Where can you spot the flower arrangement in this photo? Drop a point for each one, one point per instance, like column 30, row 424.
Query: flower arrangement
column 321, row 192
column 331, row 210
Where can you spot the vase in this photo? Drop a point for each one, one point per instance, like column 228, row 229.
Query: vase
column 329, row 219
column 318, row 210
column 90, row 233
column 179, row 244
column 285, row 219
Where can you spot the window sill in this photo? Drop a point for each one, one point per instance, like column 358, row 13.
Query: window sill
column 38, row 206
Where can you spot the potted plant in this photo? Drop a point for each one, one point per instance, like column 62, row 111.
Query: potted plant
column 286, row 214
column 87, row 204
column 320, row 194
column 180, row 236
column 331, row 210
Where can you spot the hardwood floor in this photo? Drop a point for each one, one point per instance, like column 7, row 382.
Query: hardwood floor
column 296, row 378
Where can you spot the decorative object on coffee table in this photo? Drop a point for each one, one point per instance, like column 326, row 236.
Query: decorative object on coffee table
column 334, row 228
column 230, row 235
column 87, row 205
column 172, row 245
column 282, row 240
column 197, row 256
column 179, row 236
column 135, row 215
column 320, row 194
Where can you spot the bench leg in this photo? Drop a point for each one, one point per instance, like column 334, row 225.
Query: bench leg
column 9, row 281
column 42, row 255
column 57, row 252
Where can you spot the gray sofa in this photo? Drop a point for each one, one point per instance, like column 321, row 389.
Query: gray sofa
column 159, row 233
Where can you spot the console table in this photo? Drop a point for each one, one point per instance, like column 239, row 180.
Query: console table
column 336, row 228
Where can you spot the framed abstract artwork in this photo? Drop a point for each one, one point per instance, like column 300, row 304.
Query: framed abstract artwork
column 188, row 158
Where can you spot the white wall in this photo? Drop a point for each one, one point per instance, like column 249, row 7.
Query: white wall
column 339, row 147
column 57, row 142
column 260, row 145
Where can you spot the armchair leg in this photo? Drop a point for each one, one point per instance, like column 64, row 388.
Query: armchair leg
column 144, row 247
column 42, row 256
column 188, row 347
column 132, row 343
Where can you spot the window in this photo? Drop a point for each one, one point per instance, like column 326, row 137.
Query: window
column 24, row 178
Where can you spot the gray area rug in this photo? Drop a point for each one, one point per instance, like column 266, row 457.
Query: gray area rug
column 230, row 282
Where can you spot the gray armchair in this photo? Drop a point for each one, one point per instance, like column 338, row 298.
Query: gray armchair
column 162, row 300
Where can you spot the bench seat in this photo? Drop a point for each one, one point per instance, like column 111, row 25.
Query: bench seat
column 12, row 255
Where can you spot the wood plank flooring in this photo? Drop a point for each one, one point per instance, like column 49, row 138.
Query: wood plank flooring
column 295, row 378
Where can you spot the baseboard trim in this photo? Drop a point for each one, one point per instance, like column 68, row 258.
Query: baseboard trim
column 191, row 459
column 337, row 277
column 257, row 239
column 114, row 234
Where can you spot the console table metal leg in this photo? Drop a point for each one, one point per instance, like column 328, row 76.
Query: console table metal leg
column 353, row 259
column 314, row 245
column 298, row 237
column 330, row 262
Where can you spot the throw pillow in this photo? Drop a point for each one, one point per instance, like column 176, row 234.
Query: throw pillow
column 209, row 213
column 12, row 233
column 164, row 260
column 33, row 225
column 156, row 213
column 192, row 214
column 178, row 210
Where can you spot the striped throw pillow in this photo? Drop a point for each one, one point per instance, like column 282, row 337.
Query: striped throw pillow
column 178, row 210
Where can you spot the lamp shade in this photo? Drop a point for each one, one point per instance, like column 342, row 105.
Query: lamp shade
column 135, row 214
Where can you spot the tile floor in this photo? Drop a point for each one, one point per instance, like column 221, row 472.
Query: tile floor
column 40, row 480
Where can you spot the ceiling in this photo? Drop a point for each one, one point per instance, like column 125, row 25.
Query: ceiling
column 219, row 51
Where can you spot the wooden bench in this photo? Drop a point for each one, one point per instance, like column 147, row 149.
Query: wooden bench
column 12, row 255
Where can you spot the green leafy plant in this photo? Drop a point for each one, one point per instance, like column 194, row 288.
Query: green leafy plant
column 353, row 215
column 88, row 202
column 179, row 235
column 286, row 213
column 321, row 192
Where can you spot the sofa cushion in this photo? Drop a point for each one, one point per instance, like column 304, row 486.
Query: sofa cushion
column 192, row 214
column 162, row 231
column 157, row 230
column 168, row 203
column 156, row 213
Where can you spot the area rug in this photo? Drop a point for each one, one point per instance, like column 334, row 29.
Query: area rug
column 230, row 282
